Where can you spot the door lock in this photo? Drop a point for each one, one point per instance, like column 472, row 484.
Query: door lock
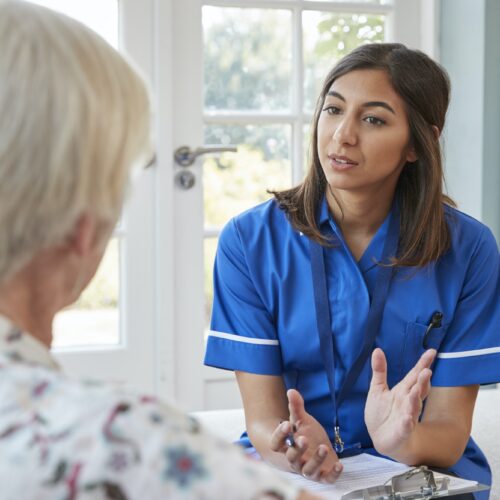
column 184, row 180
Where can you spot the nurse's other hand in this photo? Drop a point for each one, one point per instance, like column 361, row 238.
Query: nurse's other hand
column 391, row 415
column 312, row 454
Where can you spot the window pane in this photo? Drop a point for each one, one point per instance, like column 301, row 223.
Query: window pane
column 247, row 59
column 235, row 182
column 328, row 37
column 94, row 318
column 210, row 247
column 99, row 15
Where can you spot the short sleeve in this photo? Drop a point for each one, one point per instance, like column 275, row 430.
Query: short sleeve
column 470, row 352
column 243, row 334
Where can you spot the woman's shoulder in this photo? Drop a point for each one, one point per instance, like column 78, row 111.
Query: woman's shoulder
column 260, row 219
column 262, row 214
column 469, row 234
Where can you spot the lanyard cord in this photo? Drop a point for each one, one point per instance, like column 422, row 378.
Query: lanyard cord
column 374, row 319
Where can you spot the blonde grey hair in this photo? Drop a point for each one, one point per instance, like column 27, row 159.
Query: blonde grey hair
column 74, row 119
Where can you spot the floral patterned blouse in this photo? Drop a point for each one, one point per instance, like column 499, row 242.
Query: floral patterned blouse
column 65, row 439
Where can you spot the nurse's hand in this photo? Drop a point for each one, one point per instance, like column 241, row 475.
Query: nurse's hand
column 312, row 454
column 391, row 415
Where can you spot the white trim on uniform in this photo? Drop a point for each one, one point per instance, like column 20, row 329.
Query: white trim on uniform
column 239, row 338
column 467, row 354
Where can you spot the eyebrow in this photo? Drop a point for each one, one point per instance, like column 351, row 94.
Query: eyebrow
column 369, row 104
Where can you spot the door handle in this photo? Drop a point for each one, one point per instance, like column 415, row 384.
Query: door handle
column 184, row 156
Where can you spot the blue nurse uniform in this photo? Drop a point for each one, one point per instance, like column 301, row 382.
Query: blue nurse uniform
column 264, row 322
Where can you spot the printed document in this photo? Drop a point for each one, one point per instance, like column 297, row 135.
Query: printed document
column 363, row 471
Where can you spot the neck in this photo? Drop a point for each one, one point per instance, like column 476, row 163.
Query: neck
column 359, row 213
column 29, row 305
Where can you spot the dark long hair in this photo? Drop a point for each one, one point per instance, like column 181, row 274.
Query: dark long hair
column 424, row 87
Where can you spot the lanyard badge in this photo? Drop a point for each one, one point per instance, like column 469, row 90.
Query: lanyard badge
column 323, row 318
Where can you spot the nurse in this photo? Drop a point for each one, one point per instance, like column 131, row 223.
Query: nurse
column 360, row 309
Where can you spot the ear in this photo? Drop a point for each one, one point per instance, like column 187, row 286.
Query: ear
column 83, row 238
column 411, row 155
column 436, row 131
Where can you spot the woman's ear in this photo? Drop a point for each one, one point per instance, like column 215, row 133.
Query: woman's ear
column 436, row 131
column 83, row 238
column 411, row 155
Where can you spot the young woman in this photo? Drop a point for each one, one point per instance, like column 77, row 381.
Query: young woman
column 334, row 300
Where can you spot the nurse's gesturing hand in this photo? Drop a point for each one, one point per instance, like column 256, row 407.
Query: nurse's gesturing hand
column 312, row 454
column 391, row 415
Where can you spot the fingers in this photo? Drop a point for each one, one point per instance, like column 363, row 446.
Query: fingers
column 418, row 393
column 278, row 437
column 424, row 383
column 332, row 475
column 311, row 469
column 295, row 406
column 294, row 454
column 424, row 362
column 379, row 368
column 316, row 468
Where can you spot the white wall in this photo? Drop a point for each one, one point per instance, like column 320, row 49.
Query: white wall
column 469, row 44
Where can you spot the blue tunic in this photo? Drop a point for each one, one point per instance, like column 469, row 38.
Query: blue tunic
column 263, row 318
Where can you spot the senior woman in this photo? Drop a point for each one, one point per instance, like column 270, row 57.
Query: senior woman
column 74, row 120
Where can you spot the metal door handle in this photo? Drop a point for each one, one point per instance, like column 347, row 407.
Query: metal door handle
column 184, row 156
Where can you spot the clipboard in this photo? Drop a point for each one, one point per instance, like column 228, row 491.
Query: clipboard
column 419, row 483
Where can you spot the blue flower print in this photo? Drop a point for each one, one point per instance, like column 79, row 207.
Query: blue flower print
column 183, row 466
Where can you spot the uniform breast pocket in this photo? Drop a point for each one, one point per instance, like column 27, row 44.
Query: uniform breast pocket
column 413, row 347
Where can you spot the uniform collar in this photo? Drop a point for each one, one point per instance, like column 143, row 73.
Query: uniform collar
column 373, row 253
column 323, row 214
column 22, row 347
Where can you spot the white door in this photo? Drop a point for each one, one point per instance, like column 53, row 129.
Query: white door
column 247, row 73
column 110, row 333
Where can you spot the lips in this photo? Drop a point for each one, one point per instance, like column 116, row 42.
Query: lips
column 340, row 162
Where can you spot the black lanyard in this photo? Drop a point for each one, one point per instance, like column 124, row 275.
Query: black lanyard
column 382, row 283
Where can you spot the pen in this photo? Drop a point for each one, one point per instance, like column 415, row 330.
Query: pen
column 289, row 440
column 436, row 320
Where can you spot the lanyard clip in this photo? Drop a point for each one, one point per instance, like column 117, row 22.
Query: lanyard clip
column 338, row 444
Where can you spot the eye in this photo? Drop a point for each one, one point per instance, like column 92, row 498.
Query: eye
column 373, row 120
column 332, row 110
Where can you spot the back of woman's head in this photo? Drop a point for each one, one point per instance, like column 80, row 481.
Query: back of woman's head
column 75, row 117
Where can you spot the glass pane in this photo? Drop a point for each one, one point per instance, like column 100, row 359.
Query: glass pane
column 210, row 245
column 247, row 59
column 329, row 36
column 237, row 181
column 94, row 318
column 99, row 15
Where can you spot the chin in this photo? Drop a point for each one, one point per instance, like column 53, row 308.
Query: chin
column 343, row 184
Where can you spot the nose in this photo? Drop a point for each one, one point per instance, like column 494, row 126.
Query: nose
column 346, row 132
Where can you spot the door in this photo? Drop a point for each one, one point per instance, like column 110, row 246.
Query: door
column 246, row 74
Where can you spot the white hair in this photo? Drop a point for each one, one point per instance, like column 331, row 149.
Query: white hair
column 74, row 118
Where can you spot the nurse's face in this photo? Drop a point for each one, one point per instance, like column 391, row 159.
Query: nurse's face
column 363, row 133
